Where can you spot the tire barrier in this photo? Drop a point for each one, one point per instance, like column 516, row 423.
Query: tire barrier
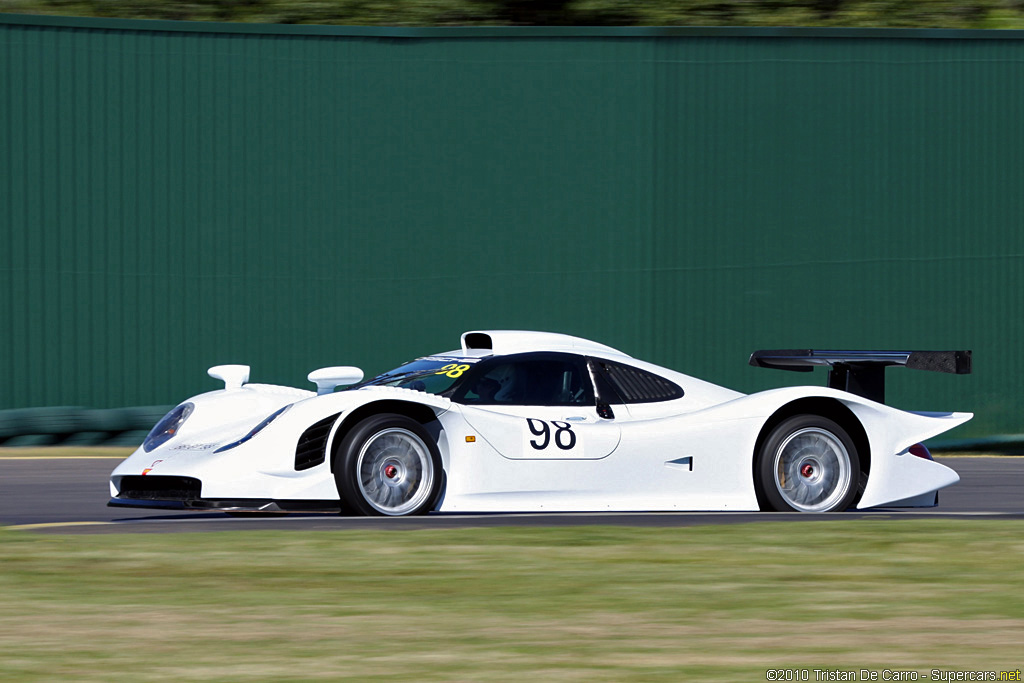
column 77, row 426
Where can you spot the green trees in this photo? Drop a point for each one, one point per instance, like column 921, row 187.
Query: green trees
column 848, row 13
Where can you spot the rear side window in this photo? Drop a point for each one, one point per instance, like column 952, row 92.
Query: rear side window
column 634, row 385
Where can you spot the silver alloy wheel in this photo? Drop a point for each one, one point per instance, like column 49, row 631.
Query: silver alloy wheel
column 812, row 470
column 394, row 471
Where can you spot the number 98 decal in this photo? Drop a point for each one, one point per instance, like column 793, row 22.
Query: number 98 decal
column 556, row 435
column 453, row 370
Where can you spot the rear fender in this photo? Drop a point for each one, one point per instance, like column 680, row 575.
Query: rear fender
column 896, row 474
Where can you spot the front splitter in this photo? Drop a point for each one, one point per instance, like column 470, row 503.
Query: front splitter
column 229, row 505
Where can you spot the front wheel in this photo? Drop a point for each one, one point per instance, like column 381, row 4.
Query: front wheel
column 808, row 464
column 388, row 465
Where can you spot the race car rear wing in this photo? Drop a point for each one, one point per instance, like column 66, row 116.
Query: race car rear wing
column 862, row 372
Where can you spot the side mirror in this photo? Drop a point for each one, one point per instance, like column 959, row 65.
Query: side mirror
column 233, row 376
column 326, row 379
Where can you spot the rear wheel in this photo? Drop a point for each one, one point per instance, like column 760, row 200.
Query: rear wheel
column 808, row 464
column 388, row 465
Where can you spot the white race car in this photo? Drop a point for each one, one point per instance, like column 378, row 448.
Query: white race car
column 541, row 422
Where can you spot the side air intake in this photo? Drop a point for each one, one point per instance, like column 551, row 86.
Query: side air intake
column 311, row 449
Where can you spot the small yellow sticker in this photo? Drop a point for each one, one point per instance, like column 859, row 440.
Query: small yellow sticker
column 470, row 439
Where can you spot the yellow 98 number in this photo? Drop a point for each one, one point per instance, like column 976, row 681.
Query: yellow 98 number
column 453, row 370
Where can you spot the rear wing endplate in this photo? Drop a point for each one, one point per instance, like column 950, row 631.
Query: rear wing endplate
column 863, row 372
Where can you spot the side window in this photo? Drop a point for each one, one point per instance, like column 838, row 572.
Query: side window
column 634, row 385
column 543, row 381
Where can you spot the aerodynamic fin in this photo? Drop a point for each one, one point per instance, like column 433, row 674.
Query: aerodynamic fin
column 862, row 372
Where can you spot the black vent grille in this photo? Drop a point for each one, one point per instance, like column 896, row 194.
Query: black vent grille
column 152, row 487
column 311, row 450
column 637, row 386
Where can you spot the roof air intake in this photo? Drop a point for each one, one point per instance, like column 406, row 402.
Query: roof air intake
column 478, row 340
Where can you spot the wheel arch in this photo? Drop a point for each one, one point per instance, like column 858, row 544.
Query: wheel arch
column 826, row 407
column 415, row 411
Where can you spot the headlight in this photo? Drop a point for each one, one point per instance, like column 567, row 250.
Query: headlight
column 167, row 427
column 254, row 431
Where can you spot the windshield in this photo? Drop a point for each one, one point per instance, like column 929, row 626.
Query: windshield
column 433, row 375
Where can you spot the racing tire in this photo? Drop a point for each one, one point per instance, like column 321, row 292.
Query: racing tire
column 388, row 465
column 808, row 464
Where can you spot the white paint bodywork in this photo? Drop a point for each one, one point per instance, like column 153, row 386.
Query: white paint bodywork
column 692, row 453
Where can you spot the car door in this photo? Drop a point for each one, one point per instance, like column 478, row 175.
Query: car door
column 538, row 406
column 650, row 410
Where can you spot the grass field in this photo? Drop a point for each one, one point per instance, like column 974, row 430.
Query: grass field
column 581, row 604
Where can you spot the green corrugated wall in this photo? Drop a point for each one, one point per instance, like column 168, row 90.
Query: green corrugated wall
column 177, row 196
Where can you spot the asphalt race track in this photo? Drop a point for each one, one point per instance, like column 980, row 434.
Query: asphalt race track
column 70, row 495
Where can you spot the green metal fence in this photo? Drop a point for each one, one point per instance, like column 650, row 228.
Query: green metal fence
column 175, row 196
